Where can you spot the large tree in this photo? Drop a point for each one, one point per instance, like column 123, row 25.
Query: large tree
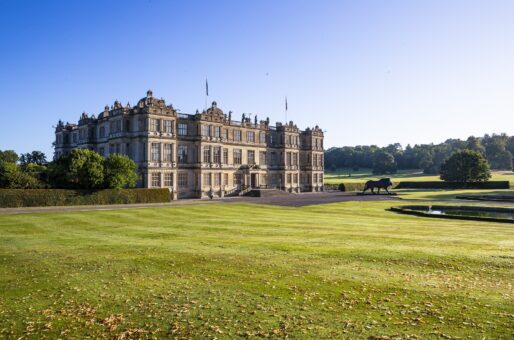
column 80, row 169
column 465, row 166
column 384, row 163
column 120, row 172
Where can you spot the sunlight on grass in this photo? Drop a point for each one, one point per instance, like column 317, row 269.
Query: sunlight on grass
column 244, row 270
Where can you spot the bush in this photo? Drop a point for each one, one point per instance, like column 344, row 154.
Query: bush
column 11, row 198
column 119, row 172
column 454, row 185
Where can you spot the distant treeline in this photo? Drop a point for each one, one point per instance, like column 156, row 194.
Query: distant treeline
column 497, row 149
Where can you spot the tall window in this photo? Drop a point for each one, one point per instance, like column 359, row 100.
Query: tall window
column 207, row 154
column 262, row 158
column 224, row 133
column 207, row 179
column 295, row 159
column 156, row 180
column 206, row 130
column 182, row 129
column 102, row 151
column 102, row 132
column 262, row 137
column 295, row 178
column 250, row 136
column 217, row 154
column 251, row 157
column 237, row 135
column 238, row 155
column 168, row 179
column 168, row 126
column 217, row 179
column 168, row 152
column 225, row 179
column 182, row 154
column 288, row 178
column 288, row 158
column 315, row 179
column 225, row 156
column 217, row 131
column 182, row 180
column 155, row 152
column 154, row 125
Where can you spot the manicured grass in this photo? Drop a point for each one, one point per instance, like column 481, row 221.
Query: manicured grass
column 402, row 175
column 239, row 270
column 444, row 195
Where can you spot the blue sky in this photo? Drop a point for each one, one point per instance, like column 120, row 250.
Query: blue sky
column 368, row 72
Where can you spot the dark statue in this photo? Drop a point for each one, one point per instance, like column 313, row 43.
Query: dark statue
column 382, row 183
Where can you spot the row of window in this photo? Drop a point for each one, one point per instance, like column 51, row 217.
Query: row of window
column 167, row 155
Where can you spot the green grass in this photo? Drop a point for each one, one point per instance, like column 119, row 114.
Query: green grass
column 402, row 175
column 444, row 195
column 240, row 270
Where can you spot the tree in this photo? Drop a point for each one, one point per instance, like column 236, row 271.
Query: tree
column 8, row 156
column 384, row 163
column 35, row 157
column 12, row 176
column 80, row 169
column 465, row 166
column 119, row 172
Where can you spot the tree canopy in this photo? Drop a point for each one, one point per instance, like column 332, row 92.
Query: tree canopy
column 465, row 166
column 120, row 172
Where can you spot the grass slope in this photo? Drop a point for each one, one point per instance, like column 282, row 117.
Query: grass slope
column 402, row 175
column 347, row 269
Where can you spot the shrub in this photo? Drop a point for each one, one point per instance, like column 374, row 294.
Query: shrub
column 11, row 198
column 119, row 172
column 352, row 186
column 454, row 185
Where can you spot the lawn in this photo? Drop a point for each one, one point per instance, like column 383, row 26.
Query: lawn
column 241, row 270
column 364, row 175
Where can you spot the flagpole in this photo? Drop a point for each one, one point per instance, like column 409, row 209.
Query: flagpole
column 206, row 92
column 286, row 111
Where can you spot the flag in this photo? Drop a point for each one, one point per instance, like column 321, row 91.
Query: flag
column 286, row 103
column 206, row 88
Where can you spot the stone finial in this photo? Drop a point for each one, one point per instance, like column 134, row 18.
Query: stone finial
column 149, row 93
column 255, row 119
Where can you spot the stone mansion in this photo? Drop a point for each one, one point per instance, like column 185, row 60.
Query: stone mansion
column 207, row 154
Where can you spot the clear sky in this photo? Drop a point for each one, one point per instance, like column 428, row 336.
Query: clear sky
column 368, row 72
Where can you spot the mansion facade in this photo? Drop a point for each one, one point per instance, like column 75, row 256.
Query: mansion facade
column 206, row 154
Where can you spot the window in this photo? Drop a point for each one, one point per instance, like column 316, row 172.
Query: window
column 251, row 157
column 262, row 137
column 168, row 152
column 237, row 135
column 288, row 178
column 156, row 179
column 168, row 126
column 217, row 131
column 101, row 151
column 217, row 179
column 225, row 179
column 207, row 179
column 321, row 178
column 154, row 125
column 168, row 179
column 182, row 129
column 111, row 149
column 274, row 158
column 262, row 158
column 75, row 137
column 217, row 155
column 237, row 179
column 315, row 179
column 238, row 156
column 288, row 158
column 182, row 154
column 182, row 180
column 205, row 130
column 295, row 178
column 295, row 159
column 225, row 156
column 250, row 136
column 102, row 132
column 118, row 151
column 224, row 134
column 207, row 154
column 155, row 152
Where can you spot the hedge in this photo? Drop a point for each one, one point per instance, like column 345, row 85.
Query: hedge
column 454, row 185
column 12, row 198
column 351, row 186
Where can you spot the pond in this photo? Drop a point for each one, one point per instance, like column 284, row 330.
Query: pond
column 490, row 214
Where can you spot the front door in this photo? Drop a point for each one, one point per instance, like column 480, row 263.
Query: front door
column 254, row 180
